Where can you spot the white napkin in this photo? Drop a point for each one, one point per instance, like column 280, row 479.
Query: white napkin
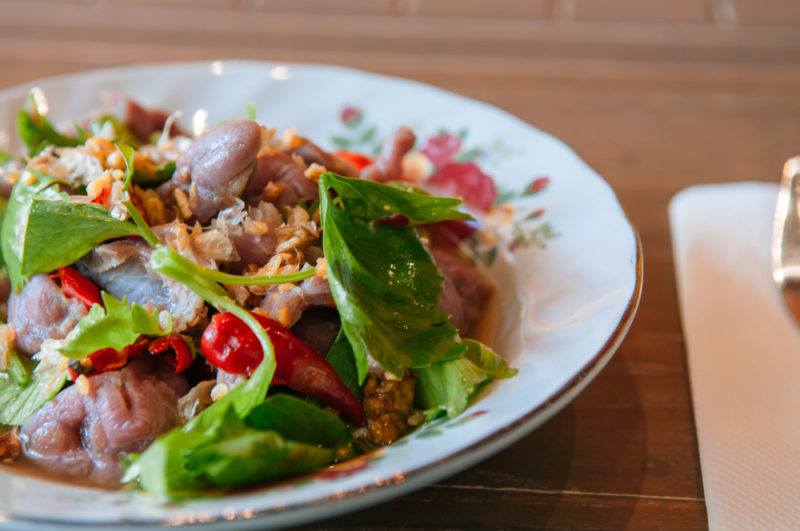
column 744, row 356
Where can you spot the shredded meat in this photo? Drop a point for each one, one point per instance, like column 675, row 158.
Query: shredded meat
column 122, row 268
column 388, row 404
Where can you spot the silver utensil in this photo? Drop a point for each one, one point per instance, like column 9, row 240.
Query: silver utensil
column 786, row 238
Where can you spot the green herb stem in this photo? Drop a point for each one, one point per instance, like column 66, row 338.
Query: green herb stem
column 256, row 280
column 144, row 229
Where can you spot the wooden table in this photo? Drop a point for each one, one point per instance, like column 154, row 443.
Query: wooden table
column 655, row 95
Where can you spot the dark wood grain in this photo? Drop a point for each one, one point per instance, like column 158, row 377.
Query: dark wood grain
column 656, row 96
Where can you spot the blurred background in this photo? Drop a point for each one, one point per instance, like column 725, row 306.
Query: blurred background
column 655, row 95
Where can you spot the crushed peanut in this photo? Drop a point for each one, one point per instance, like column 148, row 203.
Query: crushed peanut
column 272, row 191
column 284, row 316
column 291, row 140
column 314, row 171
column 321, row 268
column 99, row 147
column 286, row 286
column 183, row 203
column 83, row 385
column 28, row 178
column 255, row 227
column 115, row 160
column 7, row 338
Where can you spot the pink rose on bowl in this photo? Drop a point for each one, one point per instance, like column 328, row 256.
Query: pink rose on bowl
column 350, row 115
column 467, row 181
column 442, row 148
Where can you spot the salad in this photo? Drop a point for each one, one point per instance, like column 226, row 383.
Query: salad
column 192, row 313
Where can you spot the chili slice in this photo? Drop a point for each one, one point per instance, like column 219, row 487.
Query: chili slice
column 76, row 286
column 229, row 344
column 359, row 160
column 180, row 357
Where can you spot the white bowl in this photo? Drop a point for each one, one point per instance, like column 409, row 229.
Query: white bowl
column 562, row 310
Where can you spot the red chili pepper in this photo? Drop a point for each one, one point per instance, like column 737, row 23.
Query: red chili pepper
column 107, row 359
column 228, row 343
column 181, row 356
column 110, row 359
column 359, row 160
column 76, row 286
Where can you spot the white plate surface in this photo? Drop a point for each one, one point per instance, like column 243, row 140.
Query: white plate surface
column 562, row 309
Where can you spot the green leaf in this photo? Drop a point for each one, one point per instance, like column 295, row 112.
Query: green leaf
column 384, row 282
column 245, row 456
column 127, row 154
column 449, row 387
column 44, row 231
column 36, row 132
column 19, row 400
column 116, row 326
column 251, row 111
column 3, row 208
column 374, row 201
column 5, row 156
column 18, row 370
column 343, row 361
column 298, row 420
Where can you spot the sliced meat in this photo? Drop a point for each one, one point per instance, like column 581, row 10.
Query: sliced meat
column 387, row 405
column 318, row 327
column 122, row 269
column 312, row 153
column 287, row 305
column 85, row 429
column 275, row 166
column 389, row 165
column 142, row 121
column 465, row 289
column 219, row 164
column 41, row 311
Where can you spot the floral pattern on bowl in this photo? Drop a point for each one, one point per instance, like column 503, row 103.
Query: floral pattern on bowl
column 447, row 164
